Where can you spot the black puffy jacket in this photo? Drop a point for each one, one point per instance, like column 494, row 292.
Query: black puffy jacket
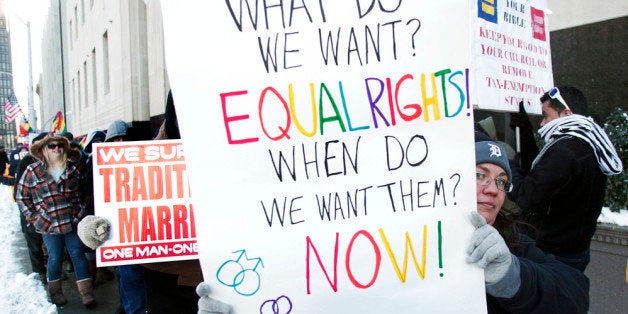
column 562, row 196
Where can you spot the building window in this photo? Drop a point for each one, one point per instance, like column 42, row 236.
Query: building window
column 105, row 62
column 76, row 20
column 85, row 83
column 82, row 12
column 71, row 45
column 78, row 88
column 74, row 94
column 94, row 76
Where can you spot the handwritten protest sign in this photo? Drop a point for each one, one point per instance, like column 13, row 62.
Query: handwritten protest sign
column 330, row 152
column 511, row 56
column 142, row 189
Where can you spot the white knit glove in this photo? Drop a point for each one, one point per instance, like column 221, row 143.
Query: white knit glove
column 502, row 273
column 207, row 305
column 93, row 231
column 488, row 250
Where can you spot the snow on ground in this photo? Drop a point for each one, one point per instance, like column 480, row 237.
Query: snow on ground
column 19, row 292
column 620, row 219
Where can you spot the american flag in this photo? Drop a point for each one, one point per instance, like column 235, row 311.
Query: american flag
column 11, row 109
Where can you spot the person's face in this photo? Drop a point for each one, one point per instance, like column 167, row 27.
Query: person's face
column 549, row 113
column 118, row 139
column 54, row 149
column 489, row 198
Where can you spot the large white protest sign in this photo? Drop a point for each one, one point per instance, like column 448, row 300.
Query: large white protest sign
column 142, row 189
column 330, row 152
column 511, row 56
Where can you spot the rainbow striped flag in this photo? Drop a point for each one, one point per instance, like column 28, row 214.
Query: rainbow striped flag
column 25, row 127
column 58, row 123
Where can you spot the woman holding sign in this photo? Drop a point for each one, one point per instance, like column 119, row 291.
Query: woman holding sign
column 51, row 195
column 519, row 277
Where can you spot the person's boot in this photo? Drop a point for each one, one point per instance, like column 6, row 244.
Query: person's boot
column 56, row 295
column 86, row 290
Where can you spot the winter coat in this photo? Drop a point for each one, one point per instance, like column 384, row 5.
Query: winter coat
column 562, row 196
column 19, row 171
column 22, row 164
column 4, row 160
column 8, row 176
column 188, row 272
column 52, row 207
column 547, row 285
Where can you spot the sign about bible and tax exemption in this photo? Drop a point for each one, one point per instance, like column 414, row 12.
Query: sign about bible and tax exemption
column 330, row 152
column 511, row 55
column 142, row 189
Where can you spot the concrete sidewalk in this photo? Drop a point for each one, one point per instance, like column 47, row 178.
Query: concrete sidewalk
column 608, row 270
column 105, row 293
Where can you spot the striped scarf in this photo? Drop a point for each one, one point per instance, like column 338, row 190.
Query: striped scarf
column 585, row 128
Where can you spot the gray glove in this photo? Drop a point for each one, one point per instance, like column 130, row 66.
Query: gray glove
column 207, row 305
column 93, row 231
column 489, row 251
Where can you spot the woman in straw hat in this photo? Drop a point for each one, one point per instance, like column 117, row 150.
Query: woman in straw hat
column 51, row 195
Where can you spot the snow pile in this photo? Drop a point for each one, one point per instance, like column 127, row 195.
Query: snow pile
column 620, row 218
column 19, row 293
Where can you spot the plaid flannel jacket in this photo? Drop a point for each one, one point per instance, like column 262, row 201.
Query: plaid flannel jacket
column 52, row 207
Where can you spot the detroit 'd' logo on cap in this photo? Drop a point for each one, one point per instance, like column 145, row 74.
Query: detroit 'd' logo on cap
column 495, row 150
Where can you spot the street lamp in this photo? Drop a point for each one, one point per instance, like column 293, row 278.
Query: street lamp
column 32, row 117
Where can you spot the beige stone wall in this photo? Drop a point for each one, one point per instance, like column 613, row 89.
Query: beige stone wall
column 571, row 13
column 137, row 84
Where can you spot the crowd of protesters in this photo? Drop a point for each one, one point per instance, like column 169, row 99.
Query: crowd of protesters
column 533, row 258
column 53, row 188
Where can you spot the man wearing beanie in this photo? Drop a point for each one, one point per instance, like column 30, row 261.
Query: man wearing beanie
column 518, row 276
column 116, row 131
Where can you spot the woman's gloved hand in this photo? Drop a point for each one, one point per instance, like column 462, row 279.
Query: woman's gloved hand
column 93, row 231
column 207, row 305
column 489, row 251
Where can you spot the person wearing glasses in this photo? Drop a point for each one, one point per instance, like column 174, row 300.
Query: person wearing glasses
column 519, row 277
column 51, row 195
column 561, row 192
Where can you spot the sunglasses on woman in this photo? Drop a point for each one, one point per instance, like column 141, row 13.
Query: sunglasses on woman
column 54, row 145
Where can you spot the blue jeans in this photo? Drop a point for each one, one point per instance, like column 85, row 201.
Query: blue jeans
column 578, row 261
column 131, row 288
column 55, row 244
